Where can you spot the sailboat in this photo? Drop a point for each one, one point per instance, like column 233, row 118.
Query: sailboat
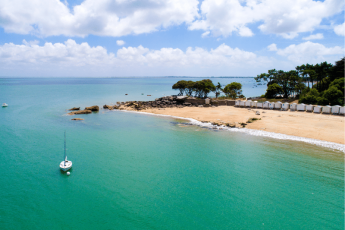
column 4, row 105
column 65, row 165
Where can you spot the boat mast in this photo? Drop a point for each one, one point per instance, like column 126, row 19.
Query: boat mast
column 64, row 160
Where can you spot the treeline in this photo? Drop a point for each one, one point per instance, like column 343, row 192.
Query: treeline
column 202, row 88
column 321, row 84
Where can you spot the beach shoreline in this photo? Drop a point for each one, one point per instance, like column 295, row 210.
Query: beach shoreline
column 281, row 124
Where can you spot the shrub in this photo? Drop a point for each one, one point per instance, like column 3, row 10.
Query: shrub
column 333, row 95
column 273, row 90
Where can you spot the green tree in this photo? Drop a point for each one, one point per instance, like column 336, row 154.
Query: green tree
column 189, row 87
column 337, row 71
column 233, row 90
column 310, row 98
column 218, row 89
column 203, row 88
column 334, row 96
column 273, row 90
column 181, row 86
column 339, row 83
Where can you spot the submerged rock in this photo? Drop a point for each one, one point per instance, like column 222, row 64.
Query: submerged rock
column 74, row 108
column 77, row 119
column 80, row 112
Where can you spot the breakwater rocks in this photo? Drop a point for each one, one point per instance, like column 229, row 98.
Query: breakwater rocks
column 168, row 102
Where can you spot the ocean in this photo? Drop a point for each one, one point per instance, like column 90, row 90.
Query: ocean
column 139, row 171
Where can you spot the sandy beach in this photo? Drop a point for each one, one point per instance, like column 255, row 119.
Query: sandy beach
column 310, row 125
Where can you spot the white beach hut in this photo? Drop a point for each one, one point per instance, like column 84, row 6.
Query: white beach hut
column 317, row 109
column 253, row 104
column 242, row 103
column 335, row 109
column 293, row 107
column 342, row 110
column 237, row 103
column 259, row 105
column 248, row 103
column 266, row 104
column 285, row 106
column 278, row 105
column 271, row 105
column 326, row 109
column 309, row 108
column 207, row 101
column 301, row 107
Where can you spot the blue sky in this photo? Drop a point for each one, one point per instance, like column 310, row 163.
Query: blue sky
column 107, row 38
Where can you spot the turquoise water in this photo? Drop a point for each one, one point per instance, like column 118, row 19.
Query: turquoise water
column 135, row 171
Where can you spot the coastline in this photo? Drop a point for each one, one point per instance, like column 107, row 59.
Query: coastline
column 318, row 129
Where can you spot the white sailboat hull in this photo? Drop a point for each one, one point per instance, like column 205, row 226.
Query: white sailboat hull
column 65, row 165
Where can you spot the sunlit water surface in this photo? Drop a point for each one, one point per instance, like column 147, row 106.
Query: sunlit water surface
column 135, row 171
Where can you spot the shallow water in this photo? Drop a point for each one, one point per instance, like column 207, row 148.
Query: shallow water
column 136, row 171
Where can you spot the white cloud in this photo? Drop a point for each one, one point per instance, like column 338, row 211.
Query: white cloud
column 313, row 37
column 70, row 57
column 340, row 29
column 205, row 34
column 97, row 17
column 309, row 52
column 285, row 18
column 272, row 47
column 120, row 42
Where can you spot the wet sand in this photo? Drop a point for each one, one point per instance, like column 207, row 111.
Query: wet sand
column 303, row 124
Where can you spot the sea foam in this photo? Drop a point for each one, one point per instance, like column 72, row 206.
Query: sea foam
column 254, row 132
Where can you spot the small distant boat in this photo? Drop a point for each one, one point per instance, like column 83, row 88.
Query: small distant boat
column 126, row 94
column 142, row 94
column 66, row 164
column 4, row 105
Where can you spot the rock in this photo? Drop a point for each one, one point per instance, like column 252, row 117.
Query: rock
column 74, row 108
column 108, row 107
column 257, row 113
column 80, row 112
column 77, row 119
column 92, row 108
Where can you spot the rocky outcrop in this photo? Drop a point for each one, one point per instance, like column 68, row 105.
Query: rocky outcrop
column 92, row 108
column 77, row 119
column 80, row 112
column 74, row 108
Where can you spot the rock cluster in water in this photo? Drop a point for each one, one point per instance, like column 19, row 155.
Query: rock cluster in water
column 85, row 111
column 163, row 102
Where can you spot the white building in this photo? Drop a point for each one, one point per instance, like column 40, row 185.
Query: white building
column 254, row 103
column 326, row 109
column 278, row 105
column 242, row 103
column 266, row 104
column 293, row 107
column 309, row 108
column 259, row 105
column 285, row 106
column 271, row 105
column 248, row 103
column 335, row 109
column 342, row 110
column 301, row 107
column 317, row 109
column 237, row 103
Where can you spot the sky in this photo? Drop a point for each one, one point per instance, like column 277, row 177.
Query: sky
column 119, row 38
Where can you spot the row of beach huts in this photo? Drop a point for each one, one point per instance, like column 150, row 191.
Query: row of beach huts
column 327, row 109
